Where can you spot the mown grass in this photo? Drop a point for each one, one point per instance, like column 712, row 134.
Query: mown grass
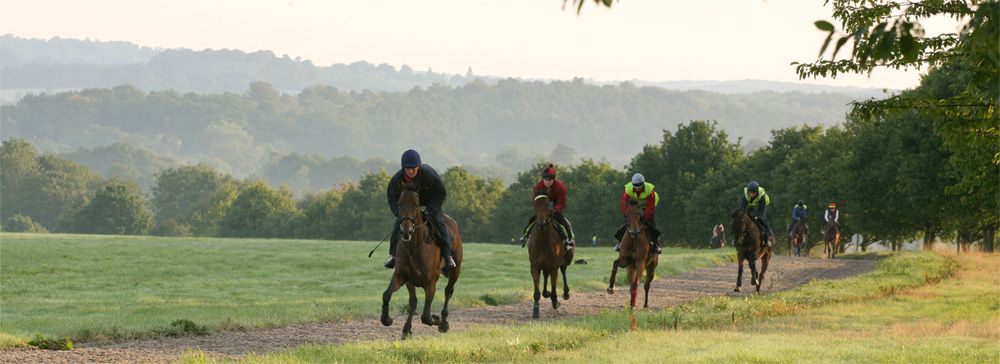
column 912, row 307
column 92, row 287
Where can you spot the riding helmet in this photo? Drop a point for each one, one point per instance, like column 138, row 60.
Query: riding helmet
column 410, row 159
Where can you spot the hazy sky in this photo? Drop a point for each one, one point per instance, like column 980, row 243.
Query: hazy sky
column 653, row 40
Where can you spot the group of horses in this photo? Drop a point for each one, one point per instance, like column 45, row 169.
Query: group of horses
column 419, row 263
column 800, row 233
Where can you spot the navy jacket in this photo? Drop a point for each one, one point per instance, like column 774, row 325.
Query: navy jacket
column 430, row 187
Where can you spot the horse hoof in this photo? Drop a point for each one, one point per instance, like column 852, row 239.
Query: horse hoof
column 566, row 296
column 611, row 290
column 406, row 335
column 756, row 283
column 555, row 305
column 545, row 294
column 534, row 313
column 427, row 320
column 443, row 327
column 386, row 321
column 436, row 319
column 737, row 289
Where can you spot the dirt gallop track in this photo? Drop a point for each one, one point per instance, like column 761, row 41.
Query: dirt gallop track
column 784, row 273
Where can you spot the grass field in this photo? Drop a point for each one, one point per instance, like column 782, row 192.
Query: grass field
column 914, row 307
column 94, row 287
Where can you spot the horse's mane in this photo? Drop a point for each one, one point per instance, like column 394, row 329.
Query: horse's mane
column 633, row 202
column 410, row 187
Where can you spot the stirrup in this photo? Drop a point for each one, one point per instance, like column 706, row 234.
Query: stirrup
column 618, row 247
column 449, row 262
column 390, row 263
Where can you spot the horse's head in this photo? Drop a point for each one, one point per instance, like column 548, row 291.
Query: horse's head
column 633, row 218
column 409, row 212
column 541, row 206
column 738, row 226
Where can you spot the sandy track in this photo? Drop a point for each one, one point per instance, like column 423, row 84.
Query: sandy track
column 784, row 273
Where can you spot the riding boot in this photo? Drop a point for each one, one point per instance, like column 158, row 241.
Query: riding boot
column 618, row 247
column 446, row 254
column 658, row 246
column 527, row 230
column 391, row 262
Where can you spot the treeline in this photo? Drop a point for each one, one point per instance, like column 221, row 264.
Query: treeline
column 506, row 124
column 893, row 175
column 69, row 63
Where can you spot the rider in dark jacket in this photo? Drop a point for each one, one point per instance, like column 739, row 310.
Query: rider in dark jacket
column 432, row 193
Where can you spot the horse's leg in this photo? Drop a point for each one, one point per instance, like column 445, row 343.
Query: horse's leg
column 448, row 290
column 649, row 280
column 555, row 296
column 426, row 317
column 634, row 273
column 565, row 282
column 545, row 284
column 739, row 272
column 614, row 272
column 408, row 327
column 754, row 279
column 394, row 284
column 764, row 260
column 535, row 273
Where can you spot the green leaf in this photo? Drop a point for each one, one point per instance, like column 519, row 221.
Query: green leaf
column 840, row 43
column 825, row 44
column 824, row 25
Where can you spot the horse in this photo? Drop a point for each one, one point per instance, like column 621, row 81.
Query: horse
column 419, row 263
column 749, row 241
column 547, row 255
column 799, row 236
column 635, row 253
column 831, row 239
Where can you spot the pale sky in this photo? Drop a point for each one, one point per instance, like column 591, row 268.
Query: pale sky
column 651, row 40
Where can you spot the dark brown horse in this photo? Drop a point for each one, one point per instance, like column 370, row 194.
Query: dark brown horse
column 831, row 239
column 419, row 263
column 749, row 241
column 635, row 254
column 547, row 254
column 800, row 234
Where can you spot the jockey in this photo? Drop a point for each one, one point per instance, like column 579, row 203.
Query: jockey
column 556, row 192
column 832, row 214
column 645, row 193
column 798, row 212
column 755, row 200
column 432, row 193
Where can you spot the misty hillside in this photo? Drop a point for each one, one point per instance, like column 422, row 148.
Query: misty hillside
column 57, row 64
column 507, row 124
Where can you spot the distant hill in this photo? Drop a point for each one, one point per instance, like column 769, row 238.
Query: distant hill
column 508, row 124
column 57, row 64
column 750, row 86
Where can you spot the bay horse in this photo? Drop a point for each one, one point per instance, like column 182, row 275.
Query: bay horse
column 749, row 241
column 831, row 239
column 636, row 254
column 419, row 263
column 546, row 254
column 800, row 234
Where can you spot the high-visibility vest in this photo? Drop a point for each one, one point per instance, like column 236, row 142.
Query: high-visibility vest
column 647, row 189
column 760, row 194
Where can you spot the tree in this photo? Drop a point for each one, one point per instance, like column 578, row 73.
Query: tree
column 18, row 167
column 318, row 215
column 363, row 214
column 183, row 192
column 471, row 202
column 260, row 212
column 117, row 209
column 23, row 224
column 887, row 33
